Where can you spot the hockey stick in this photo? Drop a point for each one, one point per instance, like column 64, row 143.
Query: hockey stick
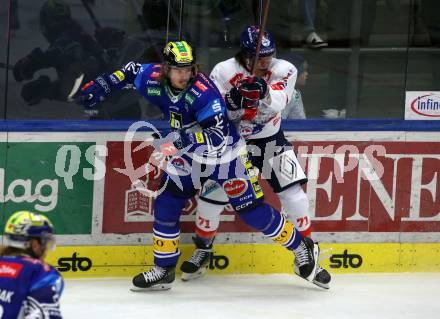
column 171, row 15
column 144, row 26
column 6, row 66
column 181, row 19
column 91, row 14
column 139, row 16
column 260, row 36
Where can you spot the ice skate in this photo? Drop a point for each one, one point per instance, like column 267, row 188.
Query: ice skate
column 197, row 265
column 322, row 278
column 157, row 278
column 306, row 259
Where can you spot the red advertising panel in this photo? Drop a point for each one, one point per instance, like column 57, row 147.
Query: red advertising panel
column 373, row 187
column 127, row 210
column 353, row 186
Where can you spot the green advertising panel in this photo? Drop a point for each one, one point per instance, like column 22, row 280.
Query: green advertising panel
column 55, row 179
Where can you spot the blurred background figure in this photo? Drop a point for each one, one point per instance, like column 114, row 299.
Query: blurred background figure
column 343, row 14
column 30, row 287
column 15, row 20
column 380, row 49
column 73, row 53
column 295, row 108
column 77, row 57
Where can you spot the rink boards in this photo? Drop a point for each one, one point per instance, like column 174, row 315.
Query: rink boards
column 374, row 197
column 116, row 261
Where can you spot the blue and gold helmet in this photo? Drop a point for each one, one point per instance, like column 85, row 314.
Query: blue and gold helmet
column 179, row 54
column 23, row 226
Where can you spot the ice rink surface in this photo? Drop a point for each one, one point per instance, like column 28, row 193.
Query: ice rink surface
column 372, row 296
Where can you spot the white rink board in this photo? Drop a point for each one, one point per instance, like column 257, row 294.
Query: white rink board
column 384, row 296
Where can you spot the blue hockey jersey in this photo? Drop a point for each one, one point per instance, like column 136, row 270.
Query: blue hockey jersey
column 199, row 109
column 29, row 288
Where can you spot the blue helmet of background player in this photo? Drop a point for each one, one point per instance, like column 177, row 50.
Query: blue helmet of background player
column 249, row 39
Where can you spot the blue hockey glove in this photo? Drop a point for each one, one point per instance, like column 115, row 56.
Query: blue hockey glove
column 95, row 91
column 181, row 139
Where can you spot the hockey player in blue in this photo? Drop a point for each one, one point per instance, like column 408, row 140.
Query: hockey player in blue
column 29, row 288
column 206, row 145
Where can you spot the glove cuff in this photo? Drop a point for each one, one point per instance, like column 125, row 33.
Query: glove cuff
column 103, row 81
column 230, row 99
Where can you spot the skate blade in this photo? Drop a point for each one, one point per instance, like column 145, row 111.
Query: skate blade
column 321, row 285
column 158, row 287
column 315, row 282
column 191, row 276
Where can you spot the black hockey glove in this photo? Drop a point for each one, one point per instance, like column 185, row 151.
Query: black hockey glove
column 235, row 101
column 25, row 68
column 34, row 91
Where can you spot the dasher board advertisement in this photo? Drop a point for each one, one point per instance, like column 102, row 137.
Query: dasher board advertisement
column 422, row 105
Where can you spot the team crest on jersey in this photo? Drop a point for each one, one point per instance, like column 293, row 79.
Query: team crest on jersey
column 181, row 165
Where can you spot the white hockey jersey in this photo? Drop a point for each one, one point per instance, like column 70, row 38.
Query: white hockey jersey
column 281, row 79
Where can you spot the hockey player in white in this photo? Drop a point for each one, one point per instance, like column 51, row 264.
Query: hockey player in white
column 254, row 104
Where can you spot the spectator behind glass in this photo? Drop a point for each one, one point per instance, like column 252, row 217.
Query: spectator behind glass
column 308, row 12
column 295, row 108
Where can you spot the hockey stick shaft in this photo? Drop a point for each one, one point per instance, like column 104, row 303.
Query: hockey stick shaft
column 139, row 16
column 260, row 36
column 181, row 19
column 91, row 14
column 6, row 66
